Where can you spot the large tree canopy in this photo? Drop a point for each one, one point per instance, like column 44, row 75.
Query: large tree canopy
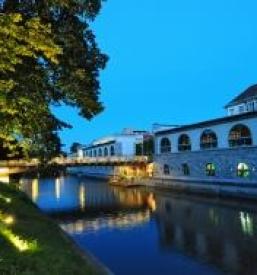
column 48, row 56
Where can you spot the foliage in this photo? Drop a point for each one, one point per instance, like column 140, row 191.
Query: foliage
column 48, row 251
column 74, row 147
column 48, row 56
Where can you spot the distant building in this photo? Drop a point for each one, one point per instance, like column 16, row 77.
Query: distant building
column 244, row 103
column 129, row 144
column 224, row 148
column 122, row 144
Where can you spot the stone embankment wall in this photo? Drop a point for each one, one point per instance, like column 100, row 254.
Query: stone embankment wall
column 225, row 160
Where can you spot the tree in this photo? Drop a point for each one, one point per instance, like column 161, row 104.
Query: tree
column 74, row 147
column 48, row 57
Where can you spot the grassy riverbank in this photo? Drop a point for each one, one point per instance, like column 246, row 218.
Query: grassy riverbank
column 31, row 243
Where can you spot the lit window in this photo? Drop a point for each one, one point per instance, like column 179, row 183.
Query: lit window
column 184, row 143
column 208, row 140
column 166, row 169
column 243, row 170
column 185, row 169
column 210, row 170
column 165, row 146
column 240, row 135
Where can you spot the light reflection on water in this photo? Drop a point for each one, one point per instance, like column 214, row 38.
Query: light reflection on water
column 138, row 231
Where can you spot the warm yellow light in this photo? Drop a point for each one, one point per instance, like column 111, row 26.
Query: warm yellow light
column 82, row 197
column 35, row 190
column 7, row 200
column 151, row 202
column 17, row 242
column 8, row 220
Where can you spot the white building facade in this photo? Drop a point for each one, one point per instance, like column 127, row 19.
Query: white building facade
column 116, row 147
column 123, row 144
column 223, row 148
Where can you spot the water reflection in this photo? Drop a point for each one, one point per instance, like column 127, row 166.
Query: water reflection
column 124, row 221
column 223, row 236
column 157, row 231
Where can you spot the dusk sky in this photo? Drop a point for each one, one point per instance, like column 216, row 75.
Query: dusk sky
column 171, row 61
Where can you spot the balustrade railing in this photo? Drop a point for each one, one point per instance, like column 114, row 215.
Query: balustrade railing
column 76, row 160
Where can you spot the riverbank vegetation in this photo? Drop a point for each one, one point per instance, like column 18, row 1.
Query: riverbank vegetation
column 31, row 243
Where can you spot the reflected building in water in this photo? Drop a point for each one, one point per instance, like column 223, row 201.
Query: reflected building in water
column 223, row 236
column 72, row 199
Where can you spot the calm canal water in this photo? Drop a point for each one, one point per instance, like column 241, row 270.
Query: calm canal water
column 141, row 231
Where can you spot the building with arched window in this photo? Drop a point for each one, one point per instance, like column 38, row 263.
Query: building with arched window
column 122, row 144
column 184, row 143
column 208, row 140
column 110, row 150
column 224, row 148
column 240, row 135
column 165, row 145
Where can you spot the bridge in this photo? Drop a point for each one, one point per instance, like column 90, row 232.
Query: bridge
column 19, row 166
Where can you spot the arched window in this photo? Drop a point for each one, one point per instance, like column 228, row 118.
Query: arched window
column 100, row 152
column 106, row 152
column 185, row 169
column 184, row 143
column 243, row 170
column 240, row 135
column 90, row 153
column 208, row 140
column 165, row 145
column 166, row 169
column 112, row 150
column 210, row 170
column 95, row 154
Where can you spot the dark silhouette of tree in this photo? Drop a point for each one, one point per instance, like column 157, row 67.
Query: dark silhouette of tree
column 74, row 147
column 48, row 57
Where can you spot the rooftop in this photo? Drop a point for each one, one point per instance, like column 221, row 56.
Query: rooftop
column 249, row 94
column 208, row 123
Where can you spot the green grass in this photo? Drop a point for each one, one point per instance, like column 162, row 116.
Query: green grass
column 46, row 249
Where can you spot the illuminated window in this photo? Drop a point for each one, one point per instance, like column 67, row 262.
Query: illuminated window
column 165, row 145
column 112, row 151
column 240, row 135
column 243, row 170
column 210, row 170
column 166, row 169
column 105, row 151
column 208, row 140
column 184, row 143
column 185, row 169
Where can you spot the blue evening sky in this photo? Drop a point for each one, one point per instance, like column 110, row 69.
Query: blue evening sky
column 171, row 61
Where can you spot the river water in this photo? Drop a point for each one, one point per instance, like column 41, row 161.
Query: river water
column 145, row 231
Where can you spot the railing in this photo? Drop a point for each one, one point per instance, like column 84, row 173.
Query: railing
column 99, row 160
column 19, row 163
column 77, row 160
